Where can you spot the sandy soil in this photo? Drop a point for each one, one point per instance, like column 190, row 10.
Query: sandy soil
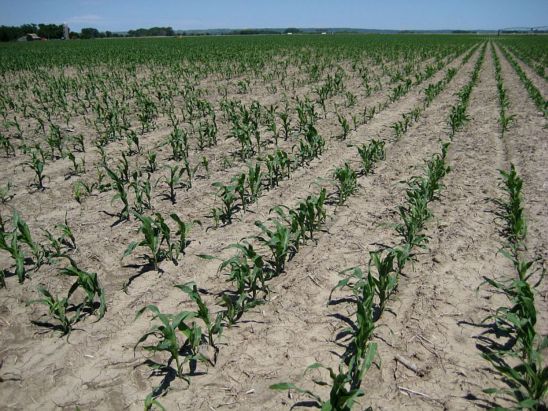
column 433, row 320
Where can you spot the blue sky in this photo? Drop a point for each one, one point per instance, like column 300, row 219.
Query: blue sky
column 119, row 15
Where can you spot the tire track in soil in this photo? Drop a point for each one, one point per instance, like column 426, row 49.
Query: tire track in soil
column 438, row 303
column 527, row 143
column 103, row 353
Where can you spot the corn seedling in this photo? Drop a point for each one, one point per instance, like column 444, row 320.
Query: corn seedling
column 279, row 241
column 227, row 195
column 142, row 188
column 247, row 270
column 524, row 372
column 311, row 146
column 278, row 166
column 89, row 283
column 81, row 190
column 386, row 279
column 155, row 233
column 172, row 180
column 9, row 242
column 346, row 182
column 183, row 230
column 7, row 146
column 213, row 327
column 36, row 163
column 370, row 154
column 341, row 397
column 58, row 309
column 254, row 182
column 166, row 335
column 516, row 228
column 121, row 193
column 55, row 141
column 345, row 125
column 151, row 166
column 77, row 167
column 5, row 194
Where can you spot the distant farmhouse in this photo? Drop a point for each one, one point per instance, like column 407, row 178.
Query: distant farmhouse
column 30, row 37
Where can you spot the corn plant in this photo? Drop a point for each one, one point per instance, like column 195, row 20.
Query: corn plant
column 60, row 245
column 305, row 219
column 243, row 134
column 183, row 230
column 178, row 141
column 457, row 118
column 81, row 190
column 121, row 193
column 370, row 154
column 212, row 326
column 89, row 283
column 79, row 145
column 278, row 166
column 227, row 195
column 279, row 241
column 36, row 163
column 238, row 182
column 59, row 309
column 142, row 189
column 311, row 146
column 152, row 165
column 254, row 181
column 341, row 397
column 167, row 338
column 7, row 146
column 9, row 242
column 524, row 372
column 55, row 141
column 155, row 233
column 77, row 167
column 5, row 194
column 249, row 273
column 173, row 180
column 346, row 182
column 286, row 122
column 386, row 280
column 152, row 401
column 345, row 125
column 122, row 167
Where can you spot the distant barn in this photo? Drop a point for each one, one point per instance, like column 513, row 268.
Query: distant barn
column 30, row 37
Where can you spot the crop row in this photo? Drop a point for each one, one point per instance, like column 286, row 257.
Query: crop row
column 505, row 120
column 519, row 357
column 372, row 289
column 533, row 91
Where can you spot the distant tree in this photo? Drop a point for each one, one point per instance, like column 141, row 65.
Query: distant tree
column 292, row 30
column 50, row 31
column 89, row 33
column 153, row 31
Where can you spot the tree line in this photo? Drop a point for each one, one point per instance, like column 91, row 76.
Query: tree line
column 55, row 31
column 48, row 31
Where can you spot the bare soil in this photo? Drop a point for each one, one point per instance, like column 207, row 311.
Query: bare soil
column 433, row 322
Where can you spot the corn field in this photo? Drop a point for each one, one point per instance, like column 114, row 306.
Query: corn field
column 270, row 222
